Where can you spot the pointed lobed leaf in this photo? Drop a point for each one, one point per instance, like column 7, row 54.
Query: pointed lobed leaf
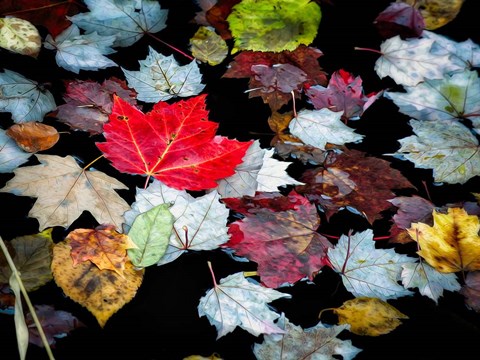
column 11, row 155
column 367, row 271
column 175, row 144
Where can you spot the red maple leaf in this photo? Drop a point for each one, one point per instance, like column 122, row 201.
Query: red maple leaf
column 175, row 144
column 49, row 13
column 284, row 244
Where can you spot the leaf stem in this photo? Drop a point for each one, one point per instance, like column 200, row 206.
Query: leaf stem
column 293, row 99
column 27, row 299
column 92, row 162
column 368, row 49
column 171, row 46
column 213, row 274
column 327, row 309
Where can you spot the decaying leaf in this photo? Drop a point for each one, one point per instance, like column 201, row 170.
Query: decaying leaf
column 452, row 244
column 207, row 46
column 64, row 190
column 471, row 290
column 102, row 292
column 19, row 36
column 369, row 316
column 33, row 136
column 400, row 18
column 317, row 342
column 237, row 301
column 437, row 13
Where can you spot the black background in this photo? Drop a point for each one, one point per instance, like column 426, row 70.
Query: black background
column 162, row 321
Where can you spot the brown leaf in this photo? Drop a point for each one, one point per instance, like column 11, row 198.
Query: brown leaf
column 33, row 136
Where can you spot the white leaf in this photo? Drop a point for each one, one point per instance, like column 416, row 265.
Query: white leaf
column 367, row 271
column 127, row 20
column 429, row 281
column 24, row 98
column 77, row 52
column 409, row 62
column 161, row 78
column 19, row 36
column 11, row 156
column 453, row 97
column 199, row 223
column 237, row 301
column 447, row 147
column 319, row 127
column 257, row 172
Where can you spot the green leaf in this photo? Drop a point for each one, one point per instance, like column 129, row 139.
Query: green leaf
column 273, row 25
column 151, row 233
column 19, row 36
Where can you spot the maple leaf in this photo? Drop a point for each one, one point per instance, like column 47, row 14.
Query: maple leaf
column 128, row 21
column 103, row 246
column 265, row 25
column 279, row 77
column 284, row 244
column 369, row 316
column 217, row 15
column 208, row 47
column 32, row 256
column 437, row 13
column 33, row 136
column 400, row 18
column 11, row 155
column 77, row 52
column 452, row 244
column 64, row 191
column 352, row 179
column 198, row 223
column 259, row 171
column 446, row 146
column 88, row 103
column 317, row 342
column 344, row 93
column 429, row 281
column 409, row 62
column 453, row 97
column 161, row 78
column 175, row 144
column 51, row 14
column 19, row 36
column 102, row 292
column 319, row 127
column 367, row 271
column 237, row 301
column 471, row 290
column 24, row 98
column 55, row 324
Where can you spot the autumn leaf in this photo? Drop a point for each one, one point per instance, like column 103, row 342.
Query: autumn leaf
column 284, row 244
column 369, row 316
column 317, row 342
column 127, row 21
column 214, row 356
column 32, row 256
column 259, row 171
column 208, row 47
column 77, row 52
column 353, row 179
column 273, row 25
column 198, row 223
column 102, row 292
column 471, row 290
column 33, row 136
column 237, row 301
column 52, row 14
column 429, row 281
column 161, row 78
column 452, row 244
column 55, row 324
column 447, row 147
column 175, row 144
column 24, row 98
column 367, row 271
column 400, row 18
column 88, row 103
column 437, row 13
column 11, row 155
column 103, row 246
column 64, row 191
column 19, row 36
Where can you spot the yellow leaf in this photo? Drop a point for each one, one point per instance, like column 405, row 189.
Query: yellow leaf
column 437, row 13
column 452, row 244
column 102, row 292
column 369, row 316
column 208, row 47
column 19, row 36
column 199, row 357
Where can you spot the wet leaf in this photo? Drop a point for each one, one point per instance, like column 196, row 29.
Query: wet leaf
column 33, row 136
column 208, row 47
column 19, row 36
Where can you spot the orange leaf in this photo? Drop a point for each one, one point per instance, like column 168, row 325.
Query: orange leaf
column 33, row 136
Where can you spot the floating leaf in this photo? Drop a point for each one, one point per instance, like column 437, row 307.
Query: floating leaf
column 19, row 36
column 207, row 46
column 33, row 136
